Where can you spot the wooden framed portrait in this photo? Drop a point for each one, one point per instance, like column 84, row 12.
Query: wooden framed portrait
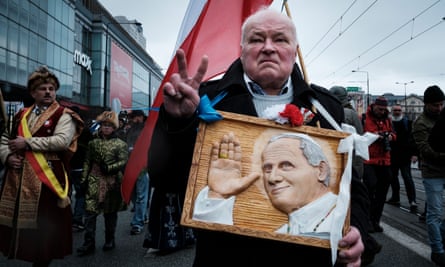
column 261, row 208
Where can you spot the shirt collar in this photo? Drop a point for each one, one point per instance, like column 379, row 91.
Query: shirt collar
column 255, row 88
column 312, row 211
column 39, row 110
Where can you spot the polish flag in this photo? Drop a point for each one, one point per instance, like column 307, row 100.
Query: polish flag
column 212, row 28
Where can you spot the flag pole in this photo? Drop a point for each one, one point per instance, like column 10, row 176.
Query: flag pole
column 300, row 56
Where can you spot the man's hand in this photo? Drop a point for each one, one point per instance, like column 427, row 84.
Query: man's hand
column 352, row 248
column 181, row 98
column 17, row 144
column 225, row 169
column 15, row 161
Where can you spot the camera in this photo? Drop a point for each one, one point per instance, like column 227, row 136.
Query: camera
column 385, row 141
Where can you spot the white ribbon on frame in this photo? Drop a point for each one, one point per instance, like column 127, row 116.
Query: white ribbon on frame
column 360, row 144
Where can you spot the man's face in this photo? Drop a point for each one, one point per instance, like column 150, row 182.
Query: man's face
column 380, row 111
column 107, row 128
column 137, row 119
column 434, row 108
column 44, row 94
column 268, row 51
column 396, row 111
column 290, row 181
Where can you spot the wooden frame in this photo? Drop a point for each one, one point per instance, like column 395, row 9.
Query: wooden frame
column 253, row 213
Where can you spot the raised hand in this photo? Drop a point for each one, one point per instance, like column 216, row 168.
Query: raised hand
column 181, row 97
column 224, row 178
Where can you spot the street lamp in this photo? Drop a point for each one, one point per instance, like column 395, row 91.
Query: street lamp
column 108, row 52
column 406, row 106
column 367, row 84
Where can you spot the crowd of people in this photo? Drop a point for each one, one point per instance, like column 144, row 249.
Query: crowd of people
column 43, row 151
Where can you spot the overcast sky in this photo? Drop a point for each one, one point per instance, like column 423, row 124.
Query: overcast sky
column 390, row 41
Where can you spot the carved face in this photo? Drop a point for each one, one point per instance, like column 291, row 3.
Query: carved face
column 290, row 181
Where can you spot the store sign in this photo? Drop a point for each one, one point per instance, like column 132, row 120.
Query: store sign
column 83, row 60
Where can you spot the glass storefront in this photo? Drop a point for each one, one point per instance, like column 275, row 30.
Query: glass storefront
column 74, row 39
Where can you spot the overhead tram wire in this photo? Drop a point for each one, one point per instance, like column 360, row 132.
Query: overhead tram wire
column 369, row 49
column 412, row 20
column 341, row 32
column 387, row 52
column 403, row 43
column 330, row 29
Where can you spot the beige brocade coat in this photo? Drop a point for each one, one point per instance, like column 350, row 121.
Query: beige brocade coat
column 60, row 140
column 41, row 221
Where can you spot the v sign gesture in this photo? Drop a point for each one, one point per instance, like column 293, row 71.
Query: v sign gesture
column 181, row 98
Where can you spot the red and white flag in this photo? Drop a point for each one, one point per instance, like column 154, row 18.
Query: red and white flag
column 212, row 28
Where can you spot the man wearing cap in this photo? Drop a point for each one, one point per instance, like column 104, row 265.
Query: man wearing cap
column 101, row 180
column 377, row 170
column 35, row 211
column 433, row 171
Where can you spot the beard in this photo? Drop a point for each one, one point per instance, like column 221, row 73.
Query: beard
column 397, row 118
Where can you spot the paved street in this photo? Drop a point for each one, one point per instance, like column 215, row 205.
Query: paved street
column 404, row 242
column 128, row 252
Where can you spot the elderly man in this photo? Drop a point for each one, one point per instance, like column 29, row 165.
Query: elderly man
column 403, row 152
column 266, row 74
column 35, row 212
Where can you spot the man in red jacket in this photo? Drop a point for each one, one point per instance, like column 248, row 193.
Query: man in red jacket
column 377, row 170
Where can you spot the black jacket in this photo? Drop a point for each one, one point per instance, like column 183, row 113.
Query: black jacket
column 435, row 139
column 170, row 158
column 404, row 146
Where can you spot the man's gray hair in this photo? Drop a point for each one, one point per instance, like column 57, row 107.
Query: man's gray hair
column 262, row 11
column 312, row 151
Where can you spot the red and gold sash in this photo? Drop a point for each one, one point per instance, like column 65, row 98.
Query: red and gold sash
column 40, row 164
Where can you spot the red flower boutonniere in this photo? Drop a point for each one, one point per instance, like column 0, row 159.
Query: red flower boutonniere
column 293, row 114
column 288, row 113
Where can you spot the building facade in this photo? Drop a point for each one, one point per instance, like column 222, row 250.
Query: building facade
column 99, row 63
